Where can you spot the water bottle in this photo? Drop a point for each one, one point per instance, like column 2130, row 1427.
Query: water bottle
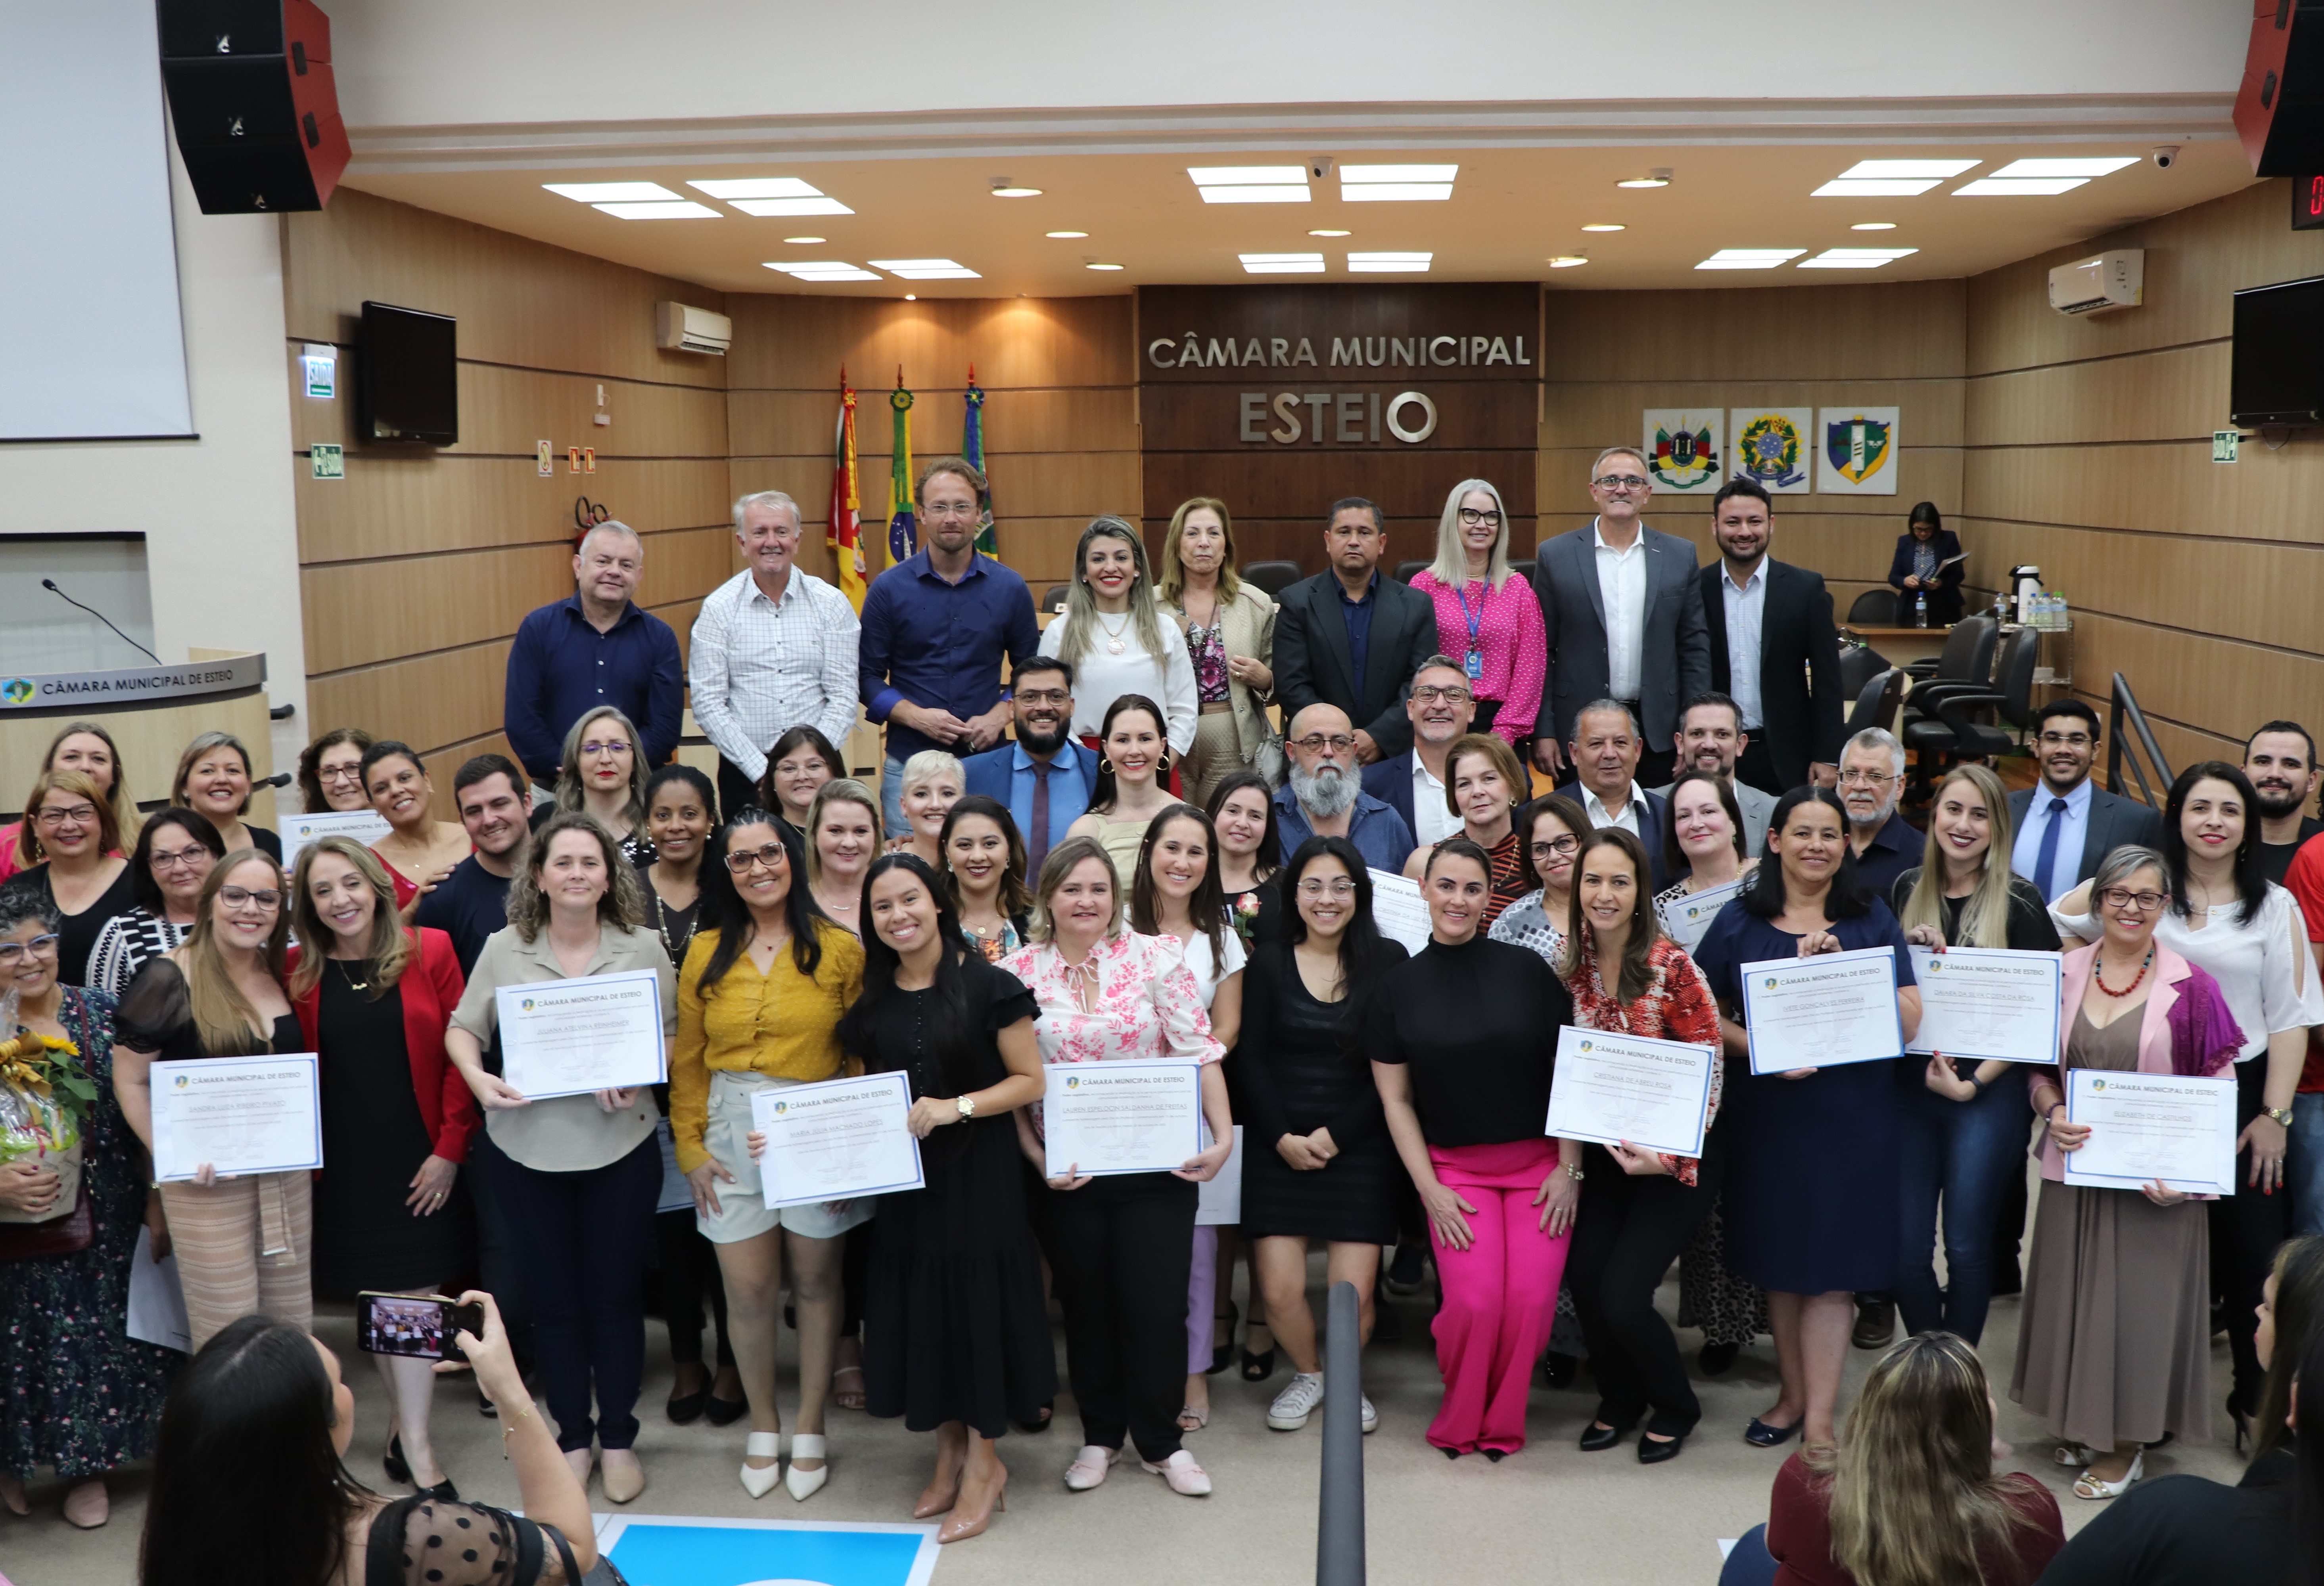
column 1921, row 609
column 2059, row 616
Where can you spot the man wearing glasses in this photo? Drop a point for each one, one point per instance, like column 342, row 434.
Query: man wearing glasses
column 1871, row 777
column 1440, row 706
column 1622, row 615
column 1044, row 778
column 2062, row 838
column 1323, row 795
column 594, row 646
column 936, row 628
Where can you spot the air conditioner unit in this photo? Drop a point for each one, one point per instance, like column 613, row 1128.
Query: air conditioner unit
column 688, row 329
column 2101, row 283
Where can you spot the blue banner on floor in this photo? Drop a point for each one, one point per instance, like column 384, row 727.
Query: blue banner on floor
column 676, row 1550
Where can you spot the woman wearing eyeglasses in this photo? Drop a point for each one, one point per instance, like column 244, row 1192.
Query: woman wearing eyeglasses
column 330, row 772
column 72, row 845
column 244, row 1242
column 1485, row 613
column 604, row 777
column 175, row 851
column 1230, row 628
column 1553, row 826
column 1482, row 783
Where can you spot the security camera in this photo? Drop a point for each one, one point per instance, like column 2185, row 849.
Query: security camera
column 1319, row 166
column 2164, row 156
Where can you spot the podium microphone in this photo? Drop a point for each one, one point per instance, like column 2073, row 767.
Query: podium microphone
column 50, row 586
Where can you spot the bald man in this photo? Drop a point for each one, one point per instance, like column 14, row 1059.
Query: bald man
column 594, row 646
column 1323, row 795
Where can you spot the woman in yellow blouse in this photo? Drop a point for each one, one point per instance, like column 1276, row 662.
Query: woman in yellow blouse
column 759, row 1002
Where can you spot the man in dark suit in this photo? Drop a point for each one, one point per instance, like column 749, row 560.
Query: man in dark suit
column 1440, row 707
column 1773, row 647
column 1351, row 638
column 1622, row 616
column 1044, row 778
column 2062, row 840
column 1605, row 757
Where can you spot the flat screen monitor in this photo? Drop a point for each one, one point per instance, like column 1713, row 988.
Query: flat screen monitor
column 408, row 377
column 2278, row 367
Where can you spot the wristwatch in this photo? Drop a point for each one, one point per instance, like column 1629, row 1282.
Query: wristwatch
column 967, row 1105
column 2282, row 1115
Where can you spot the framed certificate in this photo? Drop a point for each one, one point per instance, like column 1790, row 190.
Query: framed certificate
column 238, row 1114
column 1987, row 1003
column 1686, row 919
column 1614, row 1088
column 1823, row 1011
column 2144, row 1126
column 1398, row 909
column 837, row 1139
column 569, row 1037
column 1107, row 1117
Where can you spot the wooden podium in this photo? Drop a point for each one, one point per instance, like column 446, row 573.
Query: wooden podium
column 152, row 712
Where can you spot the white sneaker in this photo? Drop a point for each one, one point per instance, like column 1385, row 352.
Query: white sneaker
column 1296, row 1402
column 1371, row 1416
column 1184, row 1475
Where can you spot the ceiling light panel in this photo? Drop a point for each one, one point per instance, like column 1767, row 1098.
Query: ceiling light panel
column 1394, row 192
column 1886, row 187
column 1250, row 184
column 2038, row 187
column 1269, row 194
column 793, row 206
column 758, row 187
column 1282, row 264
column 1367, row 173
column 1568, row 261
column 822, row 270
column 613, row 192
column 926, row 268
column 1932, row 170
column 1604, row 226
column 1388, row 263
column 1750, row 258
column 2103, row 165
column 683, row 209
column 1855, row 258
column 1064, row 234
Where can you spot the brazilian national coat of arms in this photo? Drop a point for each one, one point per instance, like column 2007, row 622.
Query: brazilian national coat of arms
column 1770, row 448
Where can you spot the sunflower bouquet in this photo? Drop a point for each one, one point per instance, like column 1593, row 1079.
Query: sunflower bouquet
column 45, row 1095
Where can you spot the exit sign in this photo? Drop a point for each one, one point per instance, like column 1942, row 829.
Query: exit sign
column 2308, row 203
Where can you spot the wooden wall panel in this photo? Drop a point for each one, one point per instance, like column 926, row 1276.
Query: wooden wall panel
column 413, row 506
column 2165, row 487
column 1904, row 330
column 505, row 411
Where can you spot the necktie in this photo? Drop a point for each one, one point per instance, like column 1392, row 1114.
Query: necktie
column 2046, row 860
column 1037, row 841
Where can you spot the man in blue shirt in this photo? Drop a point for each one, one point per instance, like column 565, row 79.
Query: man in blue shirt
column 2062, row 840
column 472, row 902
column 594, row 648
column 1044, row 778
column 935, row 627
column 1324, row 793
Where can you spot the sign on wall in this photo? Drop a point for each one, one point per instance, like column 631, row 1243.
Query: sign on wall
column 1856, row 452
column 1683, row 449
column 1774, row 446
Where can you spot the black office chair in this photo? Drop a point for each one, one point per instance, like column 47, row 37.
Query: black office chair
column 1053, row 599
column 1523, row 569
column 1874, row 608
column 1858, row 665
column 1877, row 702
column 1948, row 729
column 1275, row 577
column 1966, row 657
column 1405, row 571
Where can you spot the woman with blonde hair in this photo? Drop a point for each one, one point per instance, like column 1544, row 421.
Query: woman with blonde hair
column 842, row 839
column 88, row 747
column 1114, row 636
column 604, row 775
column 1485, row 613
column 933, row 782
column 1911, row 1498
column 1230, row 628
column 73, row 846
column 214, row 777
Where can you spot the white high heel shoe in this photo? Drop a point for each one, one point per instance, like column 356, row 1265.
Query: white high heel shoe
column 760, row 1480
column 800, row 1484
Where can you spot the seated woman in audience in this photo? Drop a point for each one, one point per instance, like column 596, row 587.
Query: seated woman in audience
column 604, row 777
column 1117, row 637
column 1553, row 826
column 175, row 850
column 1119, row 1245
column 1963, row 1134
column 2291, row 1315
column 2113, row 1344
column 1483, row 782
column 932, row 785
column 1486, row 614
column 1927, row 563
column 1317, row 1161
column 1911, row 1497
column 79, row 1397
column 244, row 1242
column 1462, row 1040
column 80, row 746
column 843, row 840
column 418, row 850
column 72, row 852
column 1250, row 852
column 214, row 777
column 391, row 1216
column 576, row 1175
column 758, row 1003
column 1811, row 1194
column 1639, row 1208
column 958, row 1330
column 983, row 875
column 1133, row 784
column 801, row 762
column 266, row 1408
column 1230, row 631
column 330, row 773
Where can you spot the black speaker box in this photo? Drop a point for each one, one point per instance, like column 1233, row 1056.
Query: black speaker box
column 253, row 102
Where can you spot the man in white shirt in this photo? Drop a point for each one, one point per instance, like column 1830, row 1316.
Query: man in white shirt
column 773, row 646
column 1711, row 738
column 1605, row 751
column 1441, row 704
column 1773, row 647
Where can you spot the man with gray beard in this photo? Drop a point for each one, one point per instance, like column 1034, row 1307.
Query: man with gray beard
column 1324, row 793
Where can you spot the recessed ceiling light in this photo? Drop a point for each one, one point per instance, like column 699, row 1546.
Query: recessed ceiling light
column 758, row 187
column 1604, row 226
column 1659, row 177
column 1282, row 264
column 911, row 297
column 1062, row 234
column 805, row 242
column 1855, row 258
column 1002, row 188
column 2102, row 165
column 1892, row 178
column 1874, row 226
column 1568, row 261
column 683, row 209
column 1331, row 231
column 1370, row 173
column 613, row 192
column 1095, row 264
column 1395, row 184
column 926, row 268
column 2041, row 179
column 1388, row 263
column 1750, row 258
column 822, row 270
column 1250, row 184
column 790, row 208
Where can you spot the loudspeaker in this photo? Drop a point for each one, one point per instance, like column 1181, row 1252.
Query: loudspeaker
column 2280, row 107
column 252, row 97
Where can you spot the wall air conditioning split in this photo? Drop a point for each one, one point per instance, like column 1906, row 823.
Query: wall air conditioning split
column 2100, row 283
column 692, row 330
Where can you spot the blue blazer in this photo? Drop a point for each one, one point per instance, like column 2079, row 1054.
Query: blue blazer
column 1389, row 779
column 1651, row 824
column 991, row 774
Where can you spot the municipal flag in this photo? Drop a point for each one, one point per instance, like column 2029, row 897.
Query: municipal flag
column 903, row 533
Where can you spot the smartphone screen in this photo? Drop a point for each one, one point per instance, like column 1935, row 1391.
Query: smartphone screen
column 424, row 1327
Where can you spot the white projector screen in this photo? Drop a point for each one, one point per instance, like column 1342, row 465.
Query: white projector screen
column 91, row 343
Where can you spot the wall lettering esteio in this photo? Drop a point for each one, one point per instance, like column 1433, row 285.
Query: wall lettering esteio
column 1354, row 418
column 1353, row 352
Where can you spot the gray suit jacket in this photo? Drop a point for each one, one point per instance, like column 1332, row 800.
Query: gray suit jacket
column 1675, row 655
column 2114, row 821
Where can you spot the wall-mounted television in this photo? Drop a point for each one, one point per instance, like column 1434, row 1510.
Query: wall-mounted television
column 2278, row 368
column 406, row 377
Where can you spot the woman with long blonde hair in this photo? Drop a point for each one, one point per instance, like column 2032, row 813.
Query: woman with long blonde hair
column 1230, row 628
column 1485, row 613
column 604, row 775
column 1114, row 636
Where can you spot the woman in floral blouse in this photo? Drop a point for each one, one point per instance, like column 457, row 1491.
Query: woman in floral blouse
column 1639, row 1208
column 1120, row 1246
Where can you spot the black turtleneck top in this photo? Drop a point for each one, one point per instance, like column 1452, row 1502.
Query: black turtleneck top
column 1478, row 1026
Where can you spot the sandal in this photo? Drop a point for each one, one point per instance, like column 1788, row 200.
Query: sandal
column 1192, row 1418
column 847, row 1398
column 2072, row 1455
column 1222, row 1354
column 1258, row 1368
column 2089, row 1485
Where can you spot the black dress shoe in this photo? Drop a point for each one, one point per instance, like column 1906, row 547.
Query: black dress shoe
column 1760, row 1435
column 1876, row 1324
column 1717, row 1358
column 1597, row 1439
column 394, row 1463
column 1404, row 1273
column 687, row 1409
column 1452, row 1454
column 725, row 1412
column 1559, row 1371
column 1497, row 1454
column 1652, row 1451
column 1044, row 1420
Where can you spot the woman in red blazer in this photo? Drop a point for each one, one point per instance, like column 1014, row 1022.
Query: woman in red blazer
column 373, row 998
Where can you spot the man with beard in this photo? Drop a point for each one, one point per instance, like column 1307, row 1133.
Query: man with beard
column 2061, row 841
column 1441, row 704
column 1773, row 649
column 1711, row 738
column 2281, row 761
column 472, row 902
column 1871, row 776
column 1324, row 796
column 1044, row 778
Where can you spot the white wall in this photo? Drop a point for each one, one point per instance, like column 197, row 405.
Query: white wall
column 221, row 532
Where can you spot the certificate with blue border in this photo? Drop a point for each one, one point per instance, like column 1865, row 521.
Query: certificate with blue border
column 837, row 1139
column 2177, row 1128
column 1621, row 1089
column 1822, row 1011
column 1987, row 1003
column 1121, row 1117
column 238, row 1114
column 592, row 1032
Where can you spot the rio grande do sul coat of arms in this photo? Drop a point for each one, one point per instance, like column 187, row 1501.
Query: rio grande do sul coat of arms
column 1683, row 447
column 1774, row 446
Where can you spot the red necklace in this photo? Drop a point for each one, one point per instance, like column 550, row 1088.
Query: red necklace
column 2097, row 976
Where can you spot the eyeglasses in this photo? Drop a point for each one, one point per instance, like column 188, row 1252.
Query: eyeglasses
column 1315, row 887
column 1859, row 778
column 340, row 773
column 1619, row 482
column 606, row 746
column 1555, row 847
column 2124, row 898
column 1316, row 743
column 1475, row 517
column 78, row 814
column 38, row 948
column 2064, row 740
column 774, row 856
column 968, row 512
column 1451, row 693
column 171, row 858
column 1044, row 696
column 243, row 896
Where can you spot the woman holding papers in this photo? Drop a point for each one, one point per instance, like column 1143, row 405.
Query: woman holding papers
column 1463, row 1037
column 2114, row 1349
column 1553, row 826
column 578, row 1172
column 174, row 857
column 1810, row 1220
column 956, row 1333
column 1962, row 1134
column 982, row 873
column 1483, row 784
column 2225, row 917
column 243, row 1242
column 1132, row 787
column 1702, row 845
column 1639, row 1208
column 759, row 1005
column 1119, row 1244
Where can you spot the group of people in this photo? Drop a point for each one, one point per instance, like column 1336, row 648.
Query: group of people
column 1090, row 842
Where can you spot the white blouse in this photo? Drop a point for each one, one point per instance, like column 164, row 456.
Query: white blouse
column 1209, row 971
column 2262, row 965
column 1101, row 677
